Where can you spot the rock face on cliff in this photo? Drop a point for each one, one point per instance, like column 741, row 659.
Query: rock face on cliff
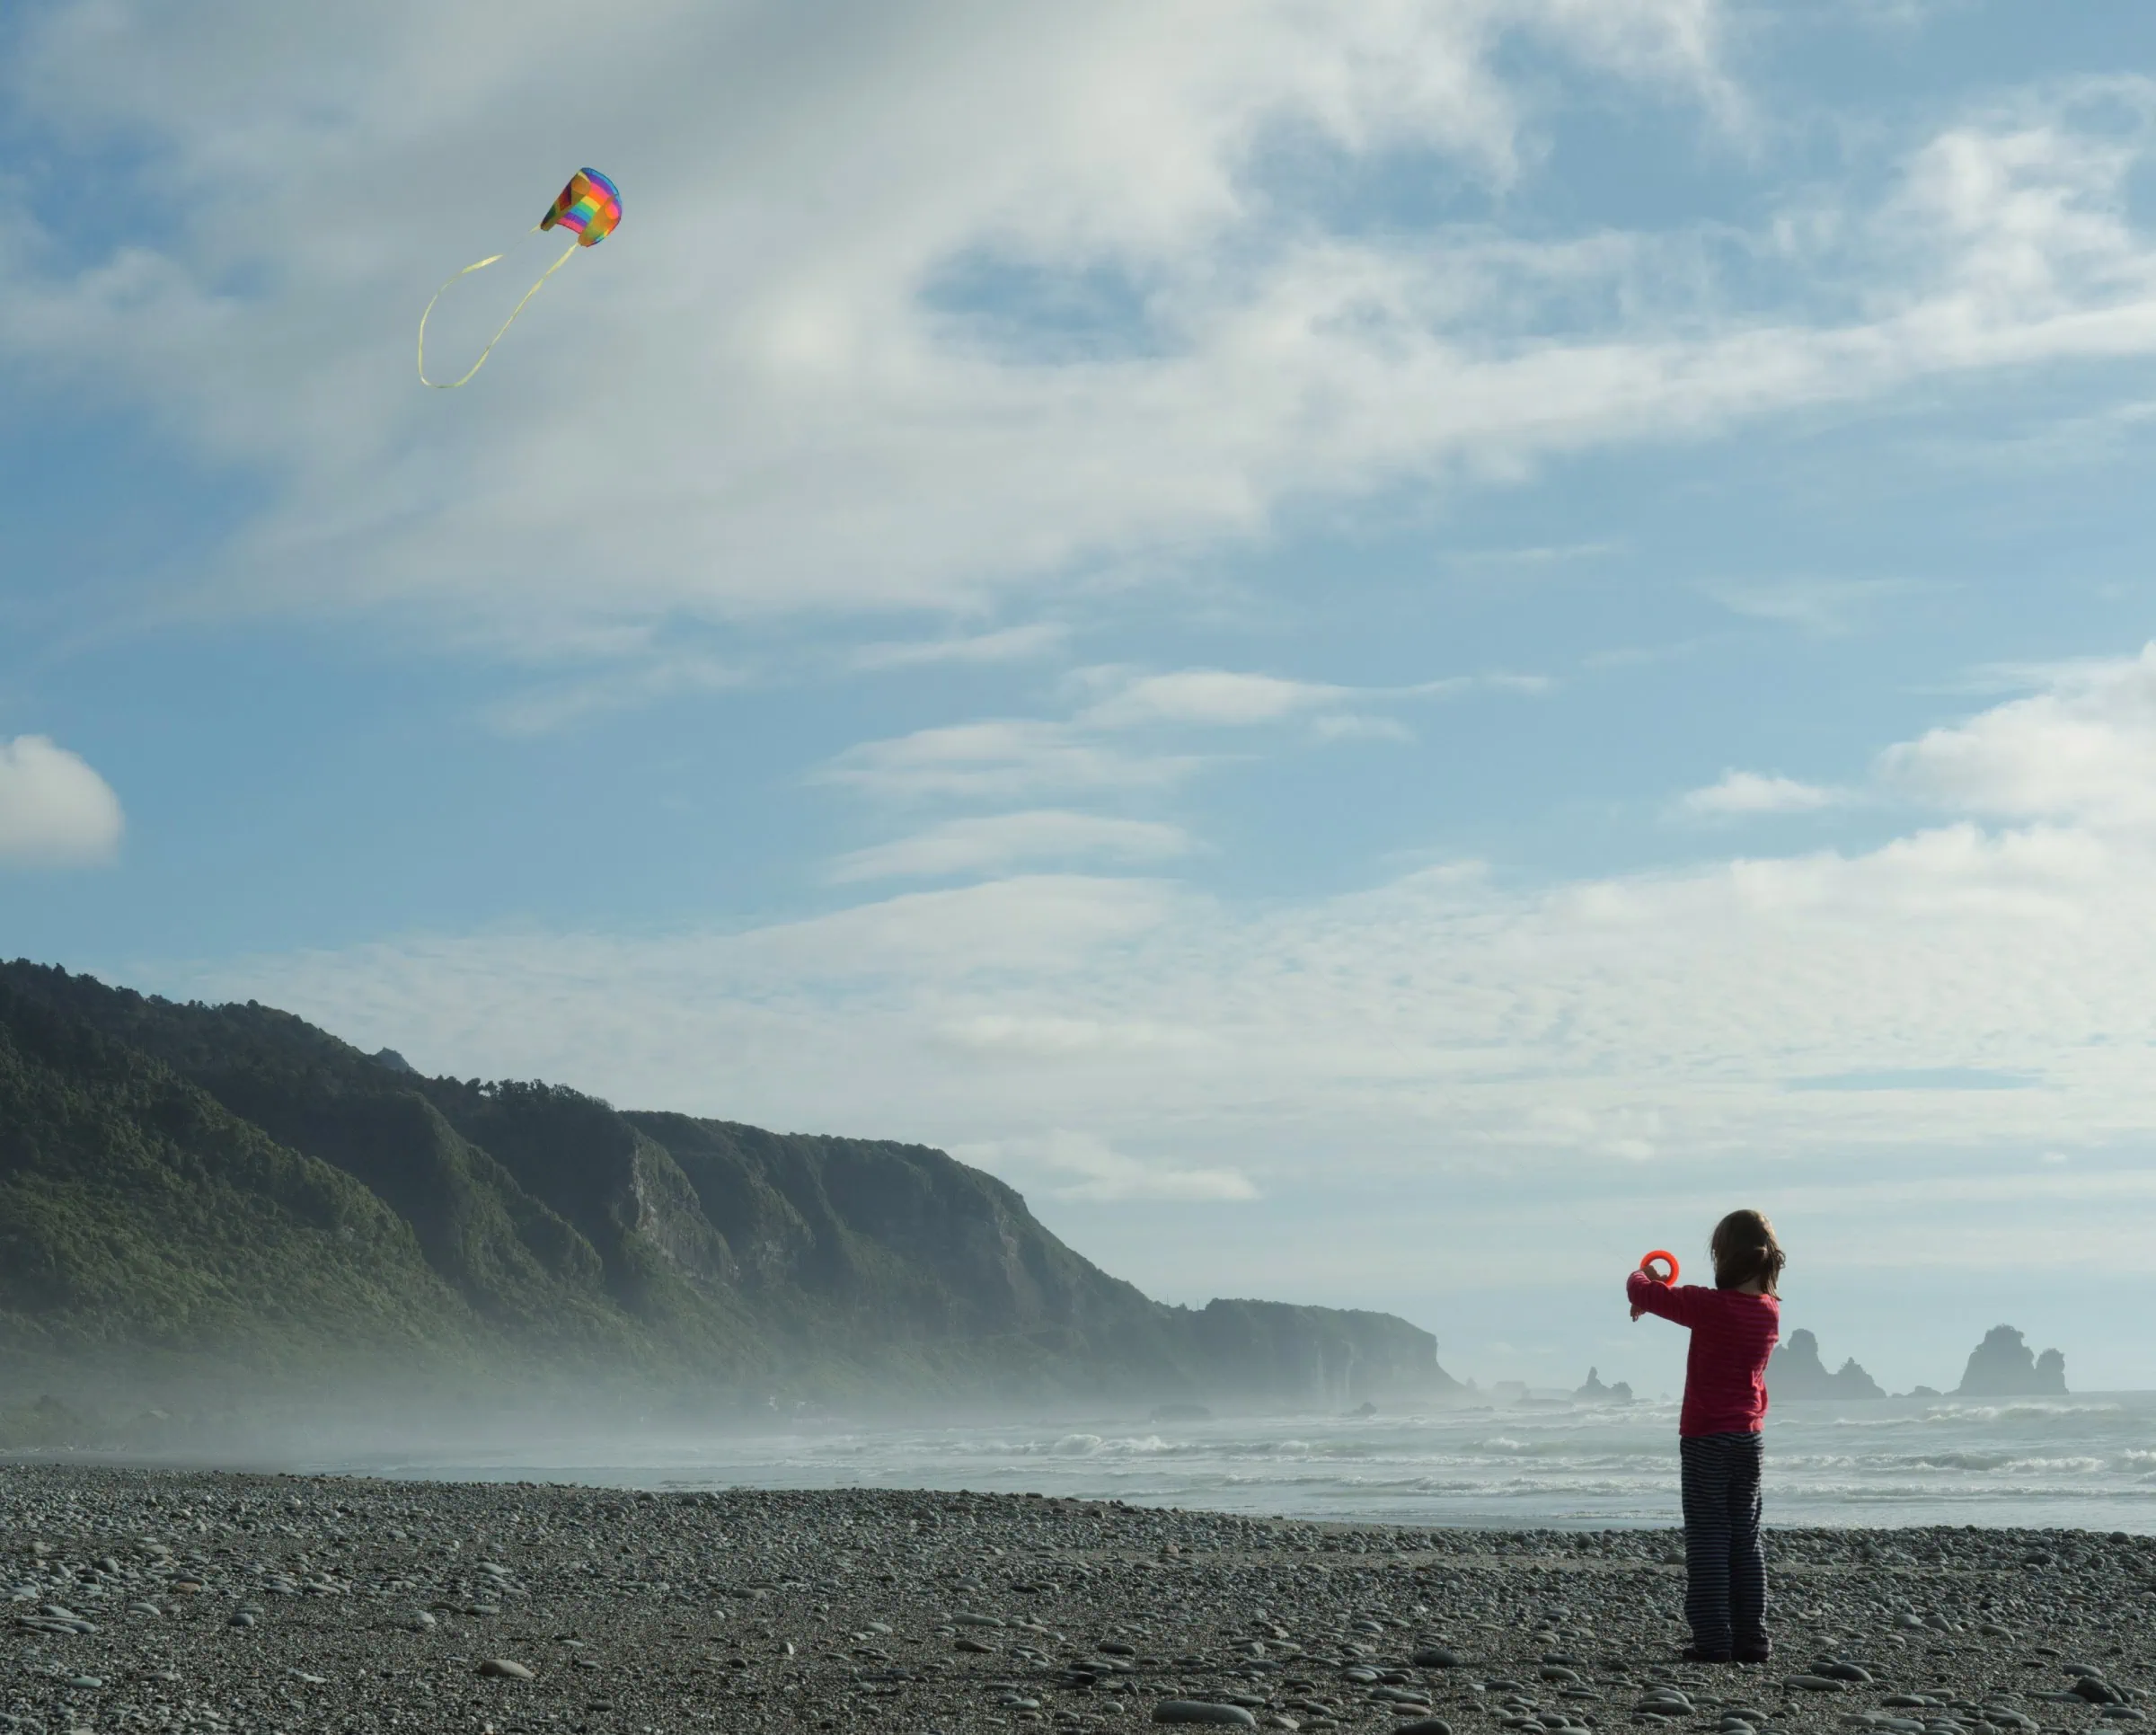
column 1318, row 1357
column 1796, row 1371
column 231, row 1181
column 2001, row 1367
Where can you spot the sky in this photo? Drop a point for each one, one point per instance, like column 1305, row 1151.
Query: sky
column 1386, row 653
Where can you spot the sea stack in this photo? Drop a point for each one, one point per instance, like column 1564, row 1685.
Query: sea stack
column 2001, row 1367
column 1796, row 1371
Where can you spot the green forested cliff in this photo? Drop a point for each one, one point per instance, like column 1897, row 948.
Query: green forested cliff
column 231, row 1182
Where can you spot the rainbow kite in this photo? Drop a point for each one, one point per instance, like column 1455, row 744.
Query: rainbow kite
column 590, row 207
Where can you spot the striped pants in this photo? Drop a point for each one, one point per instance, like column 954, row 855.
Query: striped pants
column 1725, row 1560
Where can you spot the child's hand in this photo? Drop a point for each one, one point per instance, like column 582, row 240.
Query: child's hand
column 1636, row 1312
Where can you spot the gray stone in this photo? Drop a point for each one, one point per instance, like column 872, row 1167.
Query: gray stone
column 1439, row 1656
column 1200, row 1711
column 502, row 1669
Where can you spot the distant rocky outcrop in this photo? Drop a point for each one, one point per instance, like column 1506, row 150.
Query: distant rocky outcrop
column 1796, row 1371
column 2003, row 1366
column 1595, row 1391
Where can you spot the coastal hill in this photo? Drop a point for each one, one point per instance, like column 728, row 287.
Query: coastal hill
column 231, row 1184
column 1795, row 1370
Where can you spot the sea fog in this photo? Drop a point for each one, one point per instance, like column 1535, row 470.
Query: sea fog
column 2088, row 1461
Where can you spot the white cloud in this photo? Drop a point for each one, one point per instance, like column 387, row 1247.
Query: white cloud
column 1079, row 1167
column 543, row 710
column 1217, row 698
column 1002, row 841
column 1010, row 759
column 775, row 407
column 1348, row 726
column 1826, row 606
column 999, row 759
column 1223, row 698
column 1742, row 792
column 2085, row 751
column 54, row 811
column 1009, row 644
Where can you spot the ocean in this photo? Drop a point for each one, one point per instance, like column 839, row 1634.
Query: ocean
column 2087, row 1461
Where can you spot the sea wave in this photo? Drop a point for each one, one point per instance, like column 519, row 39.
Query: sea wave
column 2090, row 1462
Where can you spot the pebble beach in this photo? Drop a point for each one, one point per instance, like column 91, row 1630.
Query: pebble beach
column 145, row 1600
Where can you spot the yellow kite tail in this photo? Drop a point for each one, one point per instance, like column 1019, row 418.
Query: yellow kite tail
column 481, row 265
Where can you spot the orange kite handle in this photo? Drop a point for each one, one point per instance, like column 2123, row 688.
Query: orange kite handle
column 1670, row 1260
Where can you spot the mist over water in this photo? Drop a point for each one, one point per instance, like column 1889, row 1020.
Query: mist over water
column 2085, row 1461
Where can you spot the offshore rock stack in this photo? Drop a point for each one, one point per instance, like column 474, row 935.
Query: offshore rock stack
column 1795, row 1371
column 2003, row 1366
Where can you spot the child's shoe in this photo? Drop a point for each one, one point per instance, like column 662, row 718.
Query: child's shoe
column 1753, row 1651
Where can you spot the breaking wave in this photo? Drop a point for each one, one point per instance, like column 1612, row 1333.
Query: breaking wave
column 1887, row 1462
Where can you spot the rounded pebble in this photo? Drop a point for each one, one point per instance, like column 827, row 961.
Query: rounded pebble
column 1200, row 1711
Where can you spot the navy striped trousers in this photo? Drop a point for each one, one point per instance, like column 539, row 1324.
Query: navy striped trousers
column 1725, row 1559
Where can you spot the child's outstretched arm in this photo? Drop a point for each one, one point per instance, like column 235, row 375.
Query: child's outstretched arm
column 1648, row 1296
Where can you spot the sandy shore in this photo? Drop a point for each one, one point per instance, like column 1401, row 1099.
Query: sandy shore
column 149, row 1600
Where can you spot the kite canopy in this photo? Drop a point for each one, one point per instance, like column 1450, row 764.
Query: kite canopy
column 588, row 208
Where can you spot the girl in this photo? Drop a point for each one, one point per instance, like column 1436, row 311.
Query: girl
column 1734, row 1326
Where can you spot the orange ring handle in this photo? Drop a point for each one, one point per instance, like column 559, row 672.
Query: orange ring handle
column 1668, row 1259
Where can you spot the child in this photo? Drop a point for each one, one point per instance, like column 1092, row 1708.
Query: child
column 1734, row 1326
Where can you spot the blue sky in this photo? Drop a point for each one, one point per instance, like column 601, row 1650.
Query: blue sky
column 1384, row 657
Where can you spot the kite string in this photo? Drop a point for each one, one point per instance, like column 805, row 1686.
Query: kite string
column 480, row 265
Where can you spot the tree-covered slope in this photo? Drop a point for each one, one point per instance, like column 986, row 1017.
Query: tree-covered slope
column 136, row 1210
column 900, row 1245
column 511, row 1258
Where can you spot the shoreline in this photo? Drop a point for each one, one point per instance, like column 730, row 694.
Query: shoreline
column 259, row 1602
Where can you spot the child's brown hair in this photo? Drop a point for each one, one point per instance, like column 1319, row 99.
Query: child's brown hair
column 1745, row 1251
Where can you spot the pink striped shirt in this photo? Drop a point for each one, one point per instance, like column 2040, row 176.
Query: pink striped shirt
column 1732, row 1335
